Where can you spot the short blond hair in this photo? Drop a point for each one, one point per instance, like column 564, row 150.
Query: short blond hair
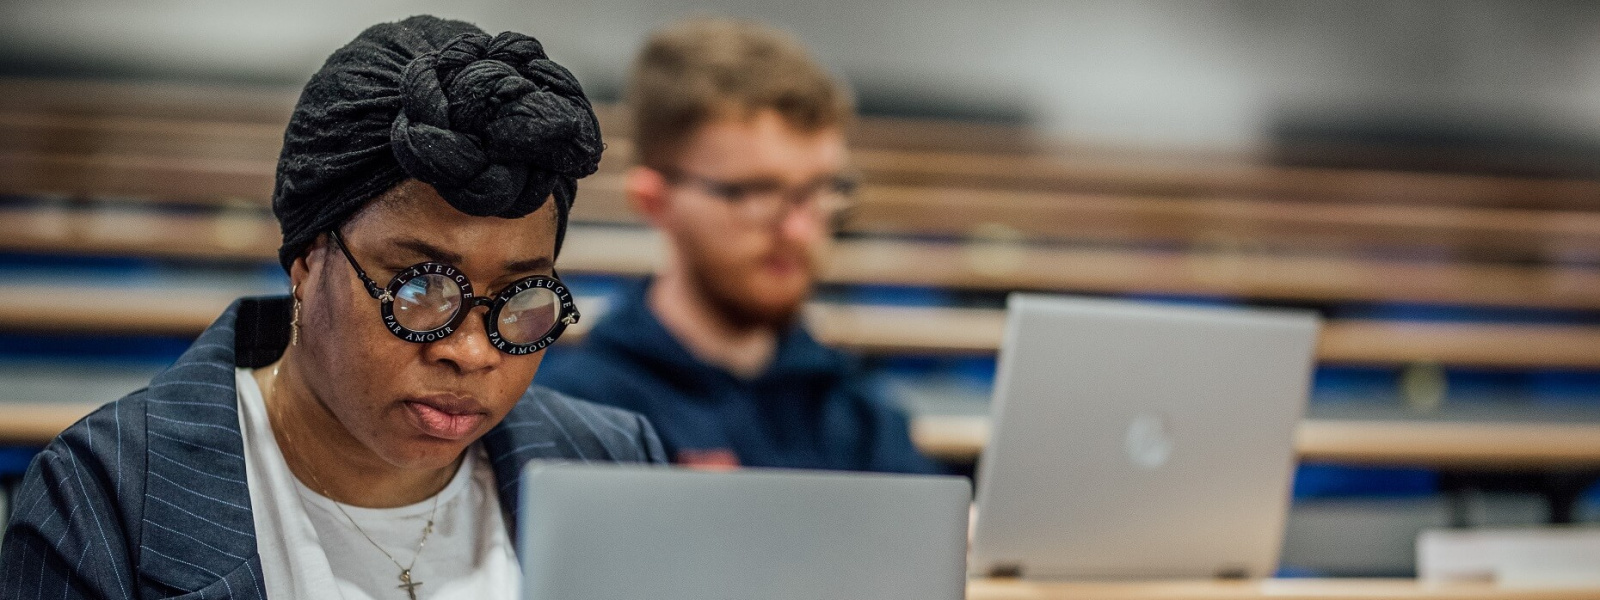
column 698, row 71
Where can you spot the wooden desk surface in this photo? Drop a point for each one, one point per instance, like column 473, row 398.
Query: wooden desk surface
column 978, row 265
column 143, row 142
column 69, row 307
column 1226, row 223
column 901, row 150
column 1478, row 445
column 38, row 423
column 1432, row 443
column 1276, row 589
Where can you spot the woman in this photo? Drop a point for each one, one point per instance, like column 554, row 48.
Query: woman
column 362, row 437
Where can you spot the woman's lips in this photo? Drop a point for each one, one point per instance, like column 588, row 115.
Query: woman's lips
column 445, row 419
column 784, row 264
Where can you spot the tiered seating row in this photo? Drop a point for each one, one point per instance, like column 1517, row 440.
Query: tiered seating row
column 131, row 309
column 985, row 265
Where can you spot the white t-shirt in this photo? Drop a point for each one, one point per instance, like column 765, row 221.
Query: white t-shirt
column 309, row 549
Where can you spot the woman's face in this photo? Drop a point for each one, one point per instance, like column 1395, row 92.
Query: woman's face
column 415, row 406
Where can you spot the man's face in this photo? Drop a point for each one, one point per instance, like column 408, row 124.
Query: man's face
column 754, row 268
column 416, row 405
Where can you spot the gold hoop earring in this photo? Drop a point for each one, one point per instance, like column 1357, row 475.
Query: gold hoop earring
column 294, row 318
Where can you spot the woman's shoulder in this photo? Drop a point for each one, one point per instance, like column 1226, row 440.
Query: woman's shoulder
column 107, row 430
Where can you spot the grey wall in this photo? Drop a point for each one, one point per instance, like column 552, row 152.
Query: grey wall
column 1215, row 74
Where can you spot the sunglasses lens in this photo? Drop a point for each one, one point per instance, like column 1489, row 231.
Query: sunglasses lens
column 529, row 316
column 427, row 302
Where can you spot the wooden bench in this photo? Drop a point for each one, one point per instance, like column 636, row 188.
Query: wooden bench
column 993, row 266
column 1567, row 454
column 1239, row 225
column 1484, row 446
column 209, row 162
column 136, row 309
column 60, row 143
column 959, row 439
column 914, row 151
column 907, row 330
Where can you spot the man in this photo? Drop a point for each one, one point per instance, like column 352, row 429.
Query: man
column 742, row 167
column 362, row 437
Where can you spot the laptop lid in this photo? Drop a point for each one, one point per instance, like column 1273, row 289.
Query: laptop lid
column 1141, row 440
column 614, row 532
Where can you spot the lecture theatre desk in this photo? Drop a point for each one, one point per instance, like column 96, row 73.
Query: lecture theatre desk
column 38, row 422
column 24, row 423
column 1273, row 589
column 1476, row 445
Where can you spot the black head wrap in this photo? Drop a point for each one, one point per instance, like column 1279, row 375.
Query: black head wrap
column 490, row 122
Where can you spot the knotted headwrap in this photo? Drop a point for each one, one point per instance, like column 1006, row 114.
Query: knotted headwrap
column 490, row 122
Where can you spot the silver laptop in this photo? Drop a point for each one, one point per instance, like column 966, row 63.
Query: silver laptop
column 610, row 532
column 1139, row 440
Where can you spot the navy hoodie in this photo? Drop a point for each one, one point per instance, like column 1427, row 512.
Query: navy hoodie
column 811, row 409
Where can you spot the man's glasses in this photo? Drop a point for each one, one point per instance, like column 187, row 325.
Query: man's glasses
column 765, row 201
column 428, row 301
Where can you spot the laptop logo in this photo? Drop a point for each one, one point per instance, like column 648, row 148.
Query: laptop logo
column 1149, row 441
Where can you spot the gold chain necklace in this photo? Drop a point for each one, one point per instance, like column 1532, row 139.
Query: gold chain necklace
column 405, row 570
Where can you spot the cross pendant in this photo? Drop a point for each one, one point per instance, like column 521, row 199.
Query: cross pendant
column 406, row 584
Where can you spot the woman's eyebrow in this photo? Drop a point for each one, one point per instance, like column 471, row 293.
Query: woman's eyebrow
column 428, row 251
column 538, row 265
column 541, row 264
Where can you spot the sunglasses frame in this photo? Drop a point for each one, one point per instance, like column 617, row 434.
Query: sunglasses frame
column 385, row 296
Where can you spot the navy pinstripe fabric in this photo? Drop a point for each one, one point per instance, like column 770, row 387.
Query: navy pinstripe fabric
column 146, row 497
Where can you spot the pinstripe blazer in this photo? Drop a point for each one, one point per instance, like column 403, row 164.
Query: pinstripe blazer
column 146, row 497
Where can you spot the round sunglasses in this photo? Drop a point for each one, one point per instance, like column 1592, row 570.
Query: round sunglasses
column 428, row 301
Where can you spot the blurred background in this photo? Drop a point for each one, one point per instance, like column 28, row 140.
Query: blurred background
column 1202, row 75
column 1426, row 174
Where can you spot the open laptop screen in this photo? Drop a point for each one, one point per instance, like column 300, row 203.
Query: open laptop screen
column 1141, row 440
column 610, row 532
